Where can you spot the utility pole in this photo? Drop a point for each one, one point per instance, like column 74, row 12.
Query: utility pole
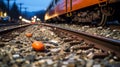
column 8, row 5
column 25, row 8
column 20, row 8
column 25, row 12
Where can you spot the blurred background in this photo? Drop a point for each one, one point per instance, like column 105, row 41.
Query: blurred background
column 13, row 10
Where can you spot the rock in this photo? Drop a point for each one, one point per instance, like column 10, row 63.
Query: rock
column 99, row 28
column 14, row 65
column 97, row 65
column 57, row 64
column 48, row 45
column 30, row 57
column 71, row 65
column 27, row 65
column 12, row 61
column 89, row 63
column 16, row 34
column 49, row 54
column 55, row 50
column 27, row 62
column 16, row 56
column 2, row 44
column 39, row 38
column 1, row 57
column 90, row 55
column 20, row 60
column 44, row 64
column 49, row 61
column 54, row 41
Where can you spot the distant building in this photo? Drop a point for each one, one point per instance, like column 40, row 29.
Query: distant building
column 1, row 13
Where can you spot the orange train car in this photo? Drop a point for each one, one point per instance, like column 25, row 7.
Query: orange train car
column 82, row 10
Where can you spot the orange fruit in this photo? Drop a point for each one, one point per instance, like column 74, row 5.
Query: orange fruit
column 38, row 46
column 28, row 34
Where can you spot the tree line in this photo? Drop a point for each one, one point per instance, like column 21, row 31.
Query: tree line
column 13, row 12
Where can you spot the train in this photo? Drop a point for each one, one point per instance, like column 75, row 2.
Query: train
column 96, row 12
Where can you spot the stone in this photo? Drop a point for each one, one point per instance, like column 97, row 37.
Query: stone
column 89, row 63
column 16, row 56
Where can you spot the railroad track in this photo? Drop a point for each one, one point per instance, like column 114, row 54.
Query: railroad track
column 105, row 44
column 11, row 27
column 8, row 33
column 112, row 32
column 62, row 48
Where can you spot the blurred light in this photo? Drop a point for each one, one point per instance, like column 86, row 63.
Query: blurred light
column 38, row 19
column 32, row 18
column 20, row 17
column 35, row 17
column 5, row 14
column 25, row 20
column 1, row 14
column 48, row 17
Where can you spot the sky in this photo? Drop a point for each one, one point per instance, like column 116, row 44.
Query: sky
column 33, row 5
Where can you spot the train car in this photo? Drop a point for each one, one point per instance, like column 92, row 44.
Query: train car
column 83, row 11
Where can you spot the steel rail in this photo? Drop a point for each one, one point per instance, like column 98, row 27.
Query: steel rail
column 103, row 43
column 13, row 28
